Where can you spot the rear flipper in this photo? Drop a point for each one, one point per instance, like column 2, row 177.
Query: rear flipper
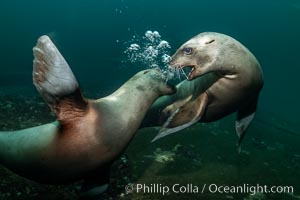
column 244, row 117
column 184, row 116
column 55, row 81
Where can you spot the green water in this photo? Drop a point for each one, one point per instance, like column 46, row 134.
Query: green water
column 92, row 36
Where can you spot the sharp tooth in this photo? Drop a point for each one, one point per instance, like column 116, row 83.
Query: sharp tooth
column 190, row 74
column 184, row 73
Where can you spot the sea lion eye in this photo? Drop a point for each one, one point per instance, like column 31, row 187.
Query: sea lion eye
column 187, row 51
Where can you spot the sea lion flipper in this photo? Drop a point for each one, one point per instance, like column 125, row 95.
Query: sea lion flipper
column 54, row 79
column 167, row 131
column 187, row 115
column 244, row 118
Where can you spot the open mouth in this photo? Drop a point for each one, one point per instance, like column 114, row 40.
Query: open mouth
column 186, row 70
column 189, row 70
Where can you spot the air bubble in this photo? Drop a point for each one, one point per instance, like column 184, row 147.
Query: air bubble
column 149, row 51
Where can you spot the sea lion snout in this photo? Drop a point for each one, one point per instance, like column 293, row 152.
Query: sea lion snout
column 171, row 89
column 156, row 78
column 196, row 56
column 187, row 61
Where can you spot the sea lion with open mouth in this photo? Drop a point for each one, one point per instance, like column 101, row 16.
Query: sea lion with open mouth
column 88, row 134
column 224, row 77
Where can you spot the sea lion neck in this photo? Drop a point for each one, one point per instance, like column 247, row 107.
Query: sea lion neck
column 132, row 91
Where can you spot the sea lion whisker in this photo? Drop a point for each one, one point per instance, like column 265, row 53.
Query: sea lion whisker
column 178, row 73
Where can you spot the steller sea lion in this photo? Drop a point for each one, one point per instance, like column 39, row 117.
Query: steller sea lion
column 225, row 77
column 88, row 134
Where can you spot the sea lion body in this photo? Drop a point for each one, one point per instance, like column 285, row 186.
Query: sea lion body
column 53, row 153
column 88, row 134
column 240, row 76
column 225, row 77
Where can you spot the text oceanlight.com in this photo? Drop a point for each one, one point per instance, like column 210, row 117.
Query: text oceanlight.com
column 211, row 188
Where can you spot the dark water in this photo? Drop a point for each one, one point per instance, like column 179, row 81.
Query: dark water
column 91, row 36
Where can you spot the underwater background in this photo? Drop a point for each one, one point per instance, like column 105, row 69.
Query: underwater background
column 92, row 35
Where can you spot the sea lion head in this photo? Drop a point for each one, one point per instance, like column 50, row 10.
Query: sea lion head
column 154, row 79
column 201, row 54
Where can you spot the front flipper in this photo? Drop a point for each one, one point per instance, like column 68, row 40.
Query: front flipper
column 185, row 116
column 55, row 81
column 244, row 117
